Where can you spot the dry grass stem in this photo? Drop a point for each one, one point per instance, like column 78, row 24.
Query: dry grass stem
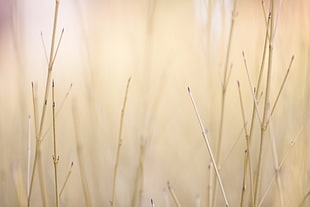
column 209, row 148
column 55, row 156
column 44, row 48
column 266, row 113
column 173, row 195
column 119, row 144
column 276, row 163
column 252, row 88
column 28, row 155
column 57, row 111
column 66, row 180
column 248, row 155
column 139, row 180
column 39, row 129
column 223, row 98
column 282, row 85
column 286, row 155
column 166, row 198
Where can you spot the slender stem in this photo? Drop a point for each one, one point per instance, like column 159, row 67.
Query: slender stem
column 119, row 144
column 37, row 159
column 209, row 147
column 28, row 155
column 57, row 111
column 210, row 185
column 282, row 85
column 41, row 178
column 66, row 180
column 259, row 81
column 55, row 156
column 252, row 88
column 50, row 68
column 245, row 168
column 276, row 163
column 224, row 89
column 166, row 198
column 280, row 166
column 258, row 85
column 173, row 195
column 34, row 103
column 249, row 151
column 44, row 48
column 266, row 115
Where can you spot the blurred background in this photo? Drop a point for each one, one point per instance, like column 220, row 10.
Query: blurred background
column 164, row 46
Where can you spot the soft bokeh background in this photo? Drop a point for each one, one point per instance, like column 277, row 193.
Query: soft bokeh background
column 164, row 46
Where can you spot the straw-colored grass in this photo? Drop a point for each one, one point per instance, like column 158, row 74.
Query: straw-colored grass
column 255, row 147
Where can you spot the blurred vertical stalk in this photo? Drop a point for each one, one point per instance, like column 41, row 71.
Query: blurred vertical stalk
column 120, row 142
column 223, row 99
column 139, row 180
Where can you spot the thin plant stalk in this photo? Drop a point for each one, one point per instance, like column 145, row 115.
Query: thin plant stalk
column 245, row 168
column 258, row 85
column 266, row 113
column 210, row 185
column 276, row 163
column 37, row 153
column 55, row 156
column 223, row 99
column 233, row 146
column 209, row 148
column 66, row 180
column 280, row 166
column 39, row 129
column 41, row 179
column 57, row 111
column 28, row 155
column 50, row 69
column 173, row 195
column 274, row 150
column 259, row 81
column 282, row 86
column 119, row 144
column 139, row 180
column 166, row 198
column 252, row 88
column 248, row 154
